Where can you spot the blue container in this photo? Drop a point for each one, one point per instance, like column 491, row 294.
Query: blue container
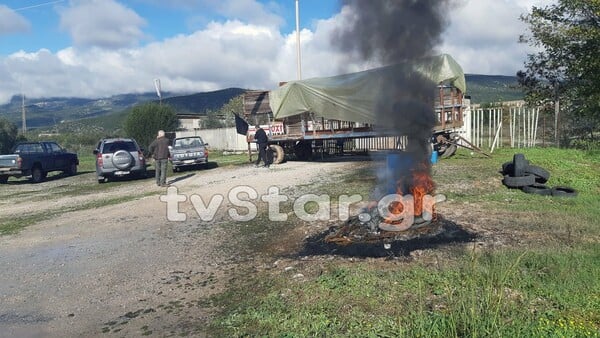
column 434, row 156
column 398, row 165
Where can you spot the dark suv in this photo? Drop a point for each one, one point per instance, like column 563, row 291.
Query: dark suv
column 118, row 157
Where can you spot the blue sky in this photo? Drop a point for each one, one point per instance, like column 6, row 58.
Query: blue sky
column 96, row 48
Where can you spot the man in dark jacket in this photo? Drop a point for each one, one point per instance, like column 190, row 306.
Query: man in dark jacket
column 159, row 149
column 261, row 143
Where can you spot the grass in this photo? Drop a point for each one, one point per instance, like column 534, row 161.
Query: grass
column 544, row 283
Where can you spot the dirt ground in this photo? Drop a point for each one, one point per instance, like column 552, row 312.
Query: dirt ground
column 125, row 269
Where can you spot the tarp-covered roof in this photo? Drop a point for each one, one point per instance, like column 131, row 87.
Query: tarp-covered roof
column 351, row 97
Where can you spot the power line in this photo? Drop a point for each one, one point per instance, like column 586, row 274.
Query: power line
column 38, row 5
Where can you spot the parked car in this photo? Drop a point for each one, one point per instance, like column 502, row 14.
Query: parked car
column 37, row 159
column 188, row 151
column 119, row 157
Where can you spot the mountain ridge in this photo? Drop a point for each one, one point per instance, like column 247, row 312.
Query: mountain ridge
column 47, row 112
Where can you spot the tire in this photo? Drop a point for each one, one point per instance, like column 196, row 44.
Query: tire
column 450, row 150
column 538, row 189
column 507, row 168
column 175, row 169
column 518, row 182
column 541, row 175
column 3, row 179
column 519, row 164
column 72, row 170
column 37, row 175
column 303, row 150
column 279, row 153
column 564, row 191
column 122, row 159
column 101, row 180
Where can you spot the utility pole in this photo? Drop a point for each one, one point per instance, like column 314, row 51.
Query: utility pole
column 298, row 41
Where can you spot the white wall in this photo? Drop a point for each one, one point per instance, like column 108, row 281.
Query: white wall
column 219, row 139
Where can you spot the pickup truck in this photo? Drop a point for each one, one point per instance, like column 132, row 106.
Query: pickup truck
column 188, row 151
column 36, row 159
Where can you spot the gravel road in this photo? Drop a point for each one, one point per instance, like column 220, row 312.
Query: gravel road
column 124, row 269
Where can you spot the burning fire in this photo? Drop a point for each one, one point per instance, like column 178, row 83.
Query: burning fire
column 413, row 201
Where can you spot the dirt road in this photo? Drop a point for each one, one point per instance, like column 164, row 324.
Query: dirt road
column 124, row 269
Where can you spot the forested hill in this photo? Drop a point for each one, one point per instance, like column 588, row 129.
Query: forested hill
column 493, row 88
column 52, row 111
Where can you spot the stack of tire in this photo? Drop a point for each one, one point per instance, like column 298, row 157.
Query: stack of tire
column 520, row 174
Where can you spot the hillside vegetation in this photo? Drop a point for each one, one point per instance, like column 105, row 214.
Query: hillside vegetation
column 60, row 115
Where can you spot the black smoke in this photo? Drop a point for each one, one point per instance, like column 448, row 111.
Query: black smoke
column 401, row 33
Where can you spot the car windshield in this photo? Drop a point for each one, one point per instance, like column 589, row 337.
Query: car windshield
column 112, row 147
column 188, row 142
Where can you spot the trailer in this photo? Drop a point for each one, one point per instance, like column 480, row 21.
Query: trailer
column 307, row 118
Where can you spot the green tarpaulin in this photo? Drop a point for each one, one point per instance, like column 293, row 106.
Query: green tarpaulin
column 351, row 97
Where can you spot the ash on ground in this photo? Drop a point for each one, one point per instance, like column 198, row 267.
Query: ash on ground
column 353, row 239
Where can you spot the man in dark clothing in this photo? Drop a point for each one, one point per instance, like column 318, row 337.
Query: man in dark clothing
column 261, row 143
column 159, row 149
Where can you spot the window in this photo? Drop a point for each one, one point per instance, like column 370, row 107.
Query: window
column 113, row 147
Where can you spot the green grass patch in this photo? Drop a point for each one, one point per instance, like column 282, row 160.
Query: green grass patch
column 501, row 294
column 546, row 285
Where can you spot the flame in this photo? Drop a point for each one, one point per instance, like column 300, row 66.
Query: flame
column 420, row 185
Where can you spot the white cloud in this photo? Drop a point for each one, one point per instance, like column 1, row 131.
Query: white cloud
column 102, row 23
column 11, row 22
column 483, row 35
column 236, row 53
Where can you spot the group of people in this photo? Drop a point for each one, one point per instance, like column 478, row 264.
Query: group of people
column 159, row 148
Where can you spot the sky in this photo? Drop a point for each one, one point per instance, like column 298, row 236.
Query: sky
column 99, row 48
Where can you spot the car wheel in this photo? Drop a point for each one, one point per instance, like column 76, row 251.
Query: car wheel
column 37, row 175
column 3, row 179
column 72, row 171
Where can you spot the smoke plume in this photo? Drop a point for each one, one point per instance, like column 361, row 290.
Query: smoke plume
column 400, row 33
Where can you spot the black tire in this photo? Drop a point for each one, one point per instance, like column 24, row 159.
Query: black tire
column 175, row 169
column 564, row 191
column 538, row 189
column 101, row 180
column 519, row 164
column 450, row 150
column 122, row 159
column 518, row 182
column 279, row 153
column 541, row 175
column 507, row 168
column 303, row 150
column 37, row 174
column 72, row 170
column 3, row 179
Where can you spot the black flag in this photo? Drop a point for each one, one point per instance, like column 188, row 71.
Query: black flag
column 241, row 126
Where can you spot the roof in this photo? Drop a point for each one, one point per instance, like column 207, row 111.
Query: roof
column 352, row 97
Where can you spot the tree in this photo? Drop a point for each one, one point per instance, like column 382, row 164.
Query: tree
column 566, row 70
column 8, row 135
column 144, row 121
column 224, row 117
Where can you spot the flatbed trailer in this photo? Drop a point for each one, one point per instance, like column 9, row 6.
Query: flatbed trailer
column 309, row 134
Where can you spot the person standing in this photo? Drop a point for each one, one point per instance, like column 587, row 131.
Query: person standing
column 261, row 143
column 159, row 149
